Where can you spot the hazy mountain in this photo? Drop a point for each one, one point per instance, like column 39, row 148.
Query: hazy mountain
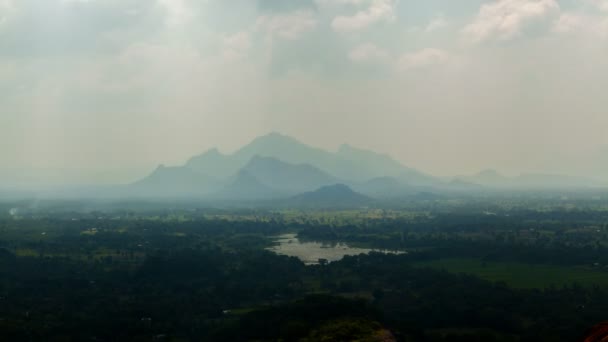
column 487, row 177
column 276, row 163
column 173, row 182
column 337, row 195
column 554, row 181
column 383, row 187
column 492, row 179
column 461, row 185
column 215, row 164
column 245, row 186
column 349, row 163
column 287, row 177
column 382, row 165
column 292, row 151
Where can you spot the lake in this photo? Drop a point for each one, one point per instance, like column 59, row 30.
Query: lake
column 311, row 252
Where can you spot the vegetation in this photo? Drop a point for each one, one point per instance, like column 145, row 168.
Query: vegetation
column 491, row 272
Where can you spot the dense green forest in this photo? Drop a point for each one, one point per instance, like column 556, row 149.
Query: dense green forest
column 470, row 272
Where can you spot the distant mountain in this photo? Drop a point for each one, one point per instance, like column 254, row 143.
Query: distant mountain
column 337, row 195
column 383, row 187
column 292, row 151
column 215, row 164
column 287, row 177
column 274, row 164
column 492, row 179
column 173, row 182
column 348, row 164
column 554, row 181
column 382, row 165
column 462, row 186
column 487, row 177
column 245, row 186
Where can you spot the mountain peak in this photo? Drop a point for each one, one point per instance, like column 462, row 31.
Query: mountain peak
column 345, row 147
column 213, row 151
column 274, row 134
column 339, row 187
column 337, row 195
column 210, row 153
column 275, row 137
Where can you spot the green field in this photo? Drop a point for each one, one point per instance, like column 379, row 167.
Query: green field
column 521, row 275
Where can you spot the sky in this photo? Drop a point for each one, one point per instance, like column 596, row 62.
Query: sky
column 102, row 91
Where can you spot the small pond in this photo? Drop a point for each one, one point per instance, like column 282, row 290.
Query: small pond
column 311, row 252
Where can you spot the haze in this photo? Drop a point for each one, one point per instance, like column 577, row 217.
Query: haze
column 96, row 91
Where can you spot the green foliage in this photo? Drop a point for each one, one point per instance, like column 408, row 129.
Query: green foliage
column 204, row 275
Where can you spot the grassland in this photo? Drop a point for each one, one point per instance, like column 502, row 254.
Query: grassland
column 521, row 275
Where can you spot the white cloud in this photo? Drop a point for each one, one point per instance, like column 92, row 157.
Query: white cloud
column 289, row 26
column 436, row 24
column 572, row 23
column 378, row 11
column 236, row 45
column 328, row 3
column 6, row 7
column 178, row 12
column 602, row 5
column 421, row 59
column 368, row 52
column 569, row 22
column 506, row 19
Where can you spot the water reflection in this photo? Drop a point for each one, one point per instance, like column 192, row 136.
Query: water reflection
column 312, row 252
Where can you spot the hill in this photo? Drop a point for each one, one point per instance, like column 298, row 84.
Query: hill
column 337, row 195
column 215, row 164
column 287, row 177
column 276, row 164
column 383, row 187
column 379, row 165
column 348, row 164
column 245, row 186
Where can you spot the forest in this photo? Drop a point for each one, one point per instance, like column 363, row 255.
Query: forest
column 467, row 271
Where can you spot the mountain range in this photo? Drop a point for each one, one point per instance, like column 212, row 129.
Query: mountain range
column 494, row 180
column 277, row 166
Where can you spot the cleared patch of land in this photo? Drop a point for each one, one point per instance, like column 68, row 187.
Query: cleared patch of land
column 522, row 275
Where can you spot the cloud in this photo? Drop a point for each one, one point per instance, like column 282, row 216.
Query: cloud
column 602, row 5
column 80, row 81
column 237, row 45
column 284, row 6
column 35, row 29
column 506, row 19
column 573, row 23
column 435, row 24
column 421, row 59
column 6, row 7
column 334, row 3
column 290, row 26
column 368, row 52
column 178, row 12
column 378, row 11
column 569, row 22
